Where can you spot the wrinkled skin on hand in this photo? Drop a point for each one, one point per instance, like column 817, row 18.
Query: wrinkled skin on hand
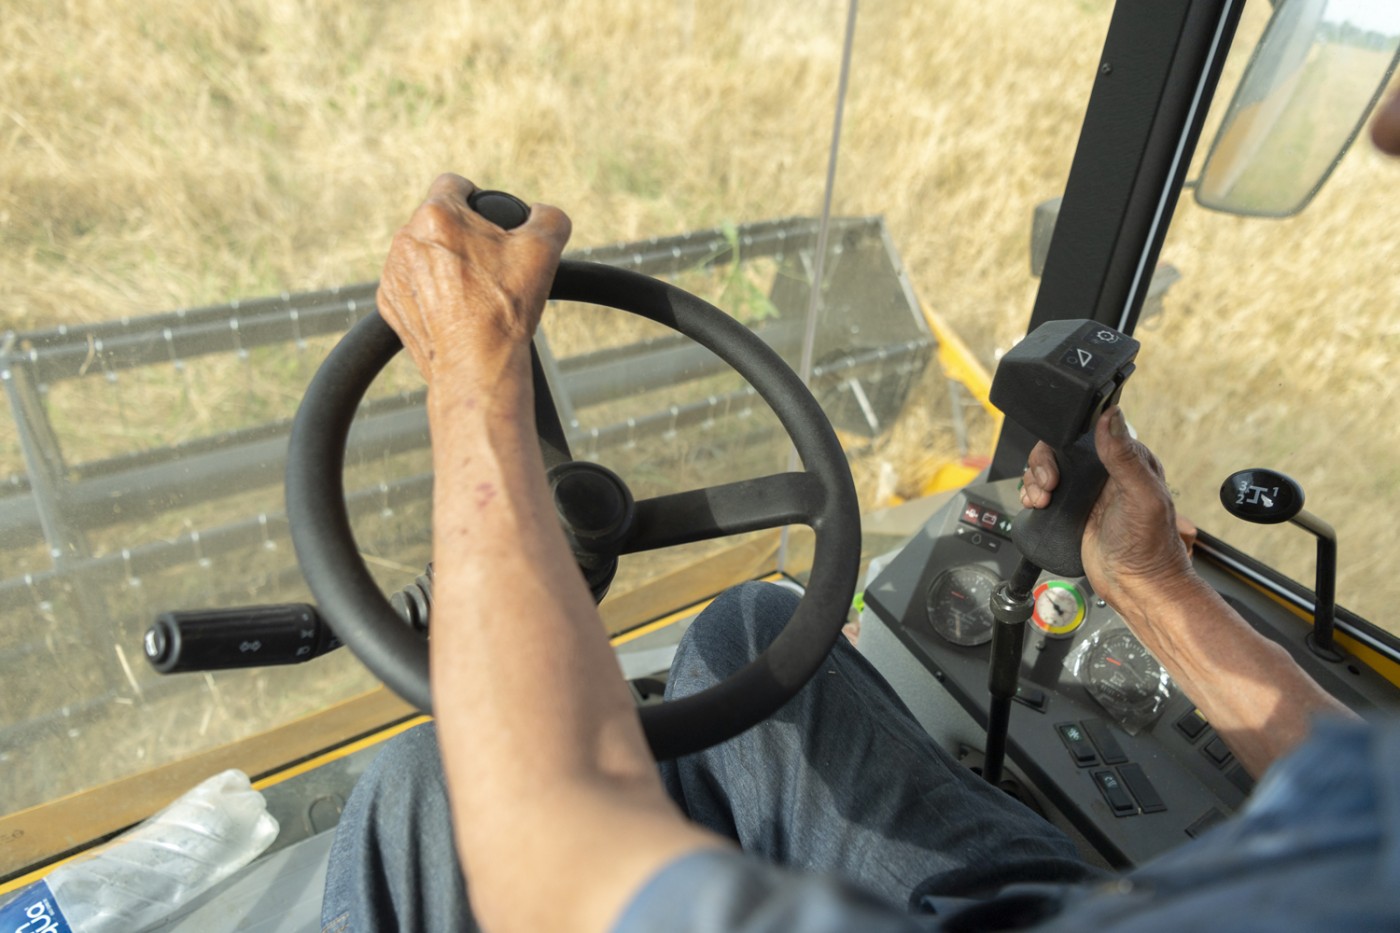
column 1135, row 548
column 460, row 291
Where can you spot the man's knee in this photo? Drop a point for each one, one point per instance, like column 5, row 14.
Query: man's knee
column 393, row 864
column 404, row 785
column 733, row 630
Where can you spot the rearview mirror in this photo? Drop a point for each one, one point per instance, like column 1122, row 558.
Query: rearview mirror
column 1315, row 75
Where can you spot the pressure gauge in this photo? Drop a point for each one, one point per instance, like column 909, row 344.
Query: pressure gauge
column 1059, row 608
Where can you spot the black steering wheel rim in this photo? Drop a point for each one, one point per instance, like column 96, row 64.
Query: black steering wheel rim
column 358, row 612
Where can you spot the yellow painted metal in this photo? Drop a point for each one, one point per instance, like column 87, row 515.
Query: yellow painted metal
column 1381, row 664
column 959, row 363
column 962, row 366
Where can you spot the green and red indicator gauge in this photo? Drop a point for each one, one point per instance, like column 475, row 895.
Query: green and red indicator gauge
column 1059, row 608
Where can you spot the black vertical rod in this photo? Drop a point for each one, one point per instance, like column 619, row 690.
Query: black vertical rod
column 1011, row 606
column 1322, row 642
column 1158, row 73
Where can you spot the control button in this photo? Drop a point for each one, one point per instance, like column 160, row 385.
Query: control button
column 990, row 518
column 1217, row 751
column 1109, row 749
column 1119, row 800
column 1081, row 359
column 972, row 513
column 1192, row 724
column 1147, row 797
column 1210, row 819
column 983, row 539
column 1033, row 697
column 1078, row 743
column 1240, row 778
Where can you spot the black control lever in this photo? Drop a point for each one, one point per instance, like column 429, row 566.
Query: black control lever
column 1012, row 605
column 1055, row 383
column 246, row 636
column 1267, row 497
column 261, row 636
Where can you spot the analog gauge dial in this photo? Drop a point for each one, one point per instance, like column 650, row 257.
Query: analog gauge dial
column 1059, row 608
column 960, row 604
column 1124, row 677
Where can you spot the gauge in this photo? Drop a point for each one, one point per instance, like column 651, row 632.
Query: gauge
column 960, row 604
column 1059, row 608
column 1124, row 677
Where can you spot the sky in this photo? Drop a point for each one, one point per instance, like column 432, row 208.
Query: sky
column 1371, row 15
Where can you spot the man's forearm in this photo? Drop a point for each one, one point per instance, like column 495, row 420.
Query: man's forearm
column 508, row 589
column 544, row 755
column 1249, row 688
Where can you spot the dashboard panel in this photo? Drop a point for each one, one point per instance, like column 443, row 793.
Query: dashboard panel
column 1099, row 728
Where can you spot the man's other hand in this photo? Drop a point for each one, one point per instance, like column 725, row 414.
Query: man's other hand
column 1134, row 547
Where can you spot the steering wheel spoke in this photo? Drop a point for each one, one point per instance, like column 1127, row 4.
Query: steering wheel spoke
column 554, row 445
column 720, row 511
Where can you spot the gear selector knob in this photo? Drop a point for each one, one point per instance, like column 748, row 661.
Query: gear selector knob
column 1267, row 497
column 1264, row 497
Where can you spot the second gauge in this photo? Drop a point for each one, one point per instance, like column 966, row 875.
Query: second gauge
column 960, row 604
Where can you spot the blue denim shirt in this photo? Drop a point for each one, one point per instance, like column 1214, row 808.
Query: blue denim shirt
column 1317, row 848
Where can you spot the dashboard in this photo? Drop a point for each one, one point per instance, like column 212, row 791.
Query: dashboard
column 1098, row 727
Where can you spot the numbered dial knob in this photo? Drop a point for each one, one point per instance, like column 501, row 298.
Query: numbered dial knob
column 1265, row 497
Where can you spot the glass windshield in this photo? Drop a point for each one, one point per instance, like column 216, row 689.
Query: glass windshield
column 1277, row 347
column 250, row 166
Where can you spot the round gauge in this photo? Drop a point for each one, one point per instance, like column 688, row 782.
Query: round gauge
column 1059, row 608
column 1124, row 677
column 960, row 604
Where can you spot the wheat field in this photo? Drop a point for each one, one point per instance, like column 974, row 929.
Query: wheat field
column 163, row 154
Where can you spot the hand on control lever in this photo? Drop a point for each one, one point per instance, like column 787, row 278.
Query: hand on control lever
column 1247, row 686
column 1135, row 546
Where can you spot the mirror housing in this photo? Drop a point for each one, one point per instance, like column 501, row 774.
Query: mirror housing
column 1312, row 79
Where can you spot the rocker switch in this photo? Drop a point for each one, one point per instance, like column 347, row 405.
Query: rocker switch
column 1080, row 748
column 1103, row 739
column 1119, row 800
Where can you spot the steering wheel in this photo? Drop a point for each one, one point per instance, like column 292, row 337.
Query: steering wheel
column 822, row 497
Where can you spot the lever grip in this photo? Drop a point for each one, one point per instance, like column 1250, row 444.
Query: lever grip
column 504, row 210
column 246, row 636
column 1051, row 537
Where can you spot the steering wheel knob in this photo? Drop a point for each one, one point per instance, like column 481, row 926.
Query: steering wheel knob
column 504, row 210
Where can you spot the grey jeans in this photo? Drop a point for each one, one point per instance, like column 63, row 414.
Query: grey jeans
column 841, row 780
